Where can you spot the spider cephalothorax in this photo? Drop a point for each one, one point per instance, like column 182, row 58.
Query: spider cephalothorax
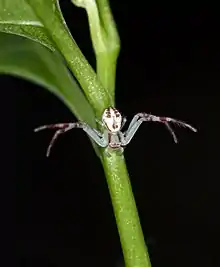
column 112, row 119
column 112, row 123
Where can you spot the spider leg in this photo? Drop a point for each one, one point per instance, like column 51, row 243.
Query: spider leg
column 123, row 122
column 99, row 122
column 171, row 131
column 166, row 120
column 52, row 126
column 63, row 127
column 134, row 120
column 57, row 133
column 97, row 132
column 180, row 123
column 99, row 138
column 132, row 129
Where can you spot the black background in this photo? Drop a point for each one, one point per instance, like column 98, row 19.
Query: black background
column 169, row 65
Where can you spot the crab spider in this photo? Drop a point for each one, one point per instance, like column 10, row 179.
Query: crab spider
column 112, row 123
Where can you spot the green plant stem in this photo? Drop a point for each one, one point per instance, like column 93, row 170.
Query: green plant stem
column 106, row 70
column 105, row 40
column 107, row 60
column 98, row 97
column 131, row 236
column 125, row 210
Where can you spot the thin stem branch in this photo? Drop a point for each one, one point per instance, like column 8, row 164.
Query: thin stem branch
column 105, row 40
column 107, row 61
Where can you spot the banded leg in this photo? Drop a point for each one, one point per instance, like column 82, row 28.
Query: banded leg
column 134, row 120
column 132, row 129
column 141, row 117
column 99, row 138
column 166, row 121
column 63, row 127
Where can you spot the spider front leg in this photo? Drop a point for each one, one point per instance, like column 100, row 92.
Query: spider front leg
column 141, row 117
column 134, row 120
column 166, row 121
column 63, row 127
column 100, row 139
column 132, row 129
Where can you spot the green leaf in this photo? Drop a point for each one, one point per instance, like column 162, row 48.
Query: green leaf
column 30, row 60
column 17, row 17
